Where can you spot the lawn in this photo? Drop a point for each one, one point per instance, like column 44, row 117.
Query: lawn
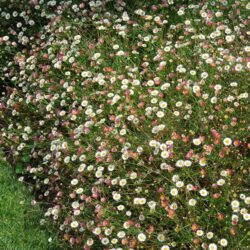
column 19, row 220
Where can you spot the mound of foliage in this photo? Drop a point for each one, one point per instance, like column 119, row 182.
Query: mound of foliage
column 131, row 120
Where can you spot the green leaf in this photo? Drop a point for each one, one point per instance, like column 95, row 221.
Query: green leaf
column 25, row 158
column 19, row 169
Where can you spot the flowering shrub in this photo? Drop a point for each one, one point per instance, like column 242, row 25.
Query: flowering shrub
column 131, row 122
column 20, row 22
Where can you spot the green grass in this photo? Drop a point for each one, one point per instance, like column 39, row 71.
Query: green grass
column 19, row 220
